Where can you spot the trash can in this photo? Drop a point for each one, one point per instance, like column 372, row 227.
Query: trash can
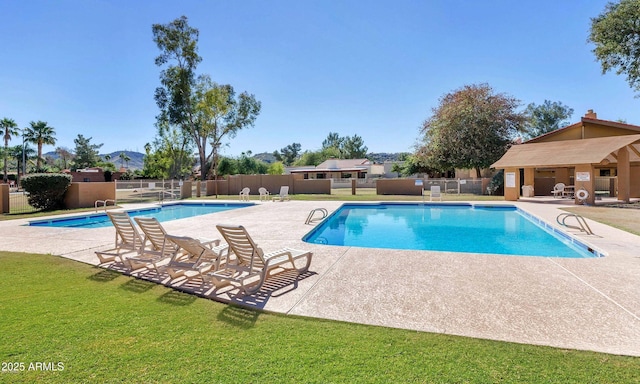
column 527, row 191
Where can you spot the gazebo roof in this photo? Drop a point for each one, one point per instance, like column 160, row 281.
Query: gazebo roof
column 569, row 152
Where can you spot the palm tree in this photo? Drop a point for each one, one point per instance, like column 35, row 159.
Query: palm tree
column 124, row 158
column 9, row 127
column 40, row 133
column 17, row 154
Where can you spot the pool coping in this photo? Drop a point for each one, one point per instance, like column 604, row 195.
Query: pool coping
column 149, row 207
column 588, row 304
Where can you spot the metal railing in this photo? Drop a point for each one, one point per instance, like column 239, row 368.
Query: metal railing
column 582, row 223
column 456, row 186
column 19, row 202
column 138, row 191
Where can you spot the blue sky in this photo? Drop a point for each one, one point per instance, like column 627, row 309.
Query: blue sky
column 372, row 68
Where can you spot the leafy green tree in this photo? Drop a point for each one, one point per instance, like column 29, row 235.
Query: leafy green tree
column 205, row 111
column 178, row 45
column 86, row 153
column 65, row 156
column 220, row 114
column 170, row 155
column 227, row 166
column 418, row 164
column 616, row 35
column 289, row 154
column 9, row 128
column 397, row 168
column 333, row 140
column 248, row 165
column 310, row 158
column 276, row 168
column 353, row 148
column 471, row 128
column 40, row 133
column 343, row 147
column 545, row 118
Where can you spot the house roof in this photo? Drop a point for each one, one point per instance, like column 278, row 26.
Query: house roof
column 340, row 164
column 583, row 120
column 569, row 152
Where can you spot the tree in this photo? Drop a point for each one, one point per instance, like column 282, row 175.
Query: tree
column 19, row 153
column 124, row 159
column 546, row 117
column 288, row 154
column 616, row 35
column 227, row 166
column 205, row 111
column 170, row 155
column 333, row 140
column 178, row 45
column 9, row 128
column 471, row 128
column 86, row 153
column 65, row 156
column 353, row 148
column 344, row 147
column 219, row 114
column 247, row 165
column 276, row 168
column 40, row 133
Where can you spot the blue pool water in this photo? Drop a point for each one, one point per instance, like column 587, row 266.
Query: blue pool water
column 445, row 227
column 163, row 213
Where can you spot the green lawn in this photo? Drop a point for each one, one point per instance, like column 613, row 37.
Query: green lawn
column 105, row 327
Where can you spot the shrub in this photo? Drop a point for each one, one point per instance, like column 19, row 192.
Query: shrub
column 46, row 191
column 496, row 183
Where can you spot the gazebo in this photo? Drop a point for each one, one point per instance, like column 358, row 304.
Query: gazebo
column 577, row 155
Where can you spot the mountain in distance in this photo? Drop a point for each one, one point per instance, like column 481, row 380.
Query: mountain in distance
column 266, row 157
column 375, row 157
column 136, row 159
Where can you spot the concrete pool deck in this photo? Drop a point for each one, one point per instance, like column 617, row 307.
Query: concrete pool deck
column 587, row 304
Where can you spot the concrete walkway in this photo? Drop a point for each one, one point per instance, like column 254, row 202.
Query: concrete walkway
column 588, row 304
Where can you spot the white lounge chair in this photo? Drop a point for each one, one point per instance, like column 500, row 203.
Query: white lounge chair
column 156, row 247
column 193, row 255
column 128, row 239
column 244, row 194
column 283, row 195
column 558, row 190
column 264, row 194
column 251, row 266
column 435, row 193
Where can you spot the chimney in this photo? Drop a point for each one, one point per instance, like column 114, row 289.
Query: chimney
column 590, row 114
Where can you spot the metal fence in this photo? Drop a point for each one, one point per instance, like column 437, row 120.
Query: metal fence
column 456, row 186
column 19, row 202
column 139, row 191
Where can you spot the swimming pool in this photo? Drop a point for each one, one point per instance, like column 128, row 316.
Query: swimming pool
column 495, row 229
column 162, row 213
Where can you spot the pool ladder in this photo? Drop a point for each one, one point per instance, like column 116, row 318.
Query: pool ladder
column 104, row 203
column 311, row 219
column 582, row 223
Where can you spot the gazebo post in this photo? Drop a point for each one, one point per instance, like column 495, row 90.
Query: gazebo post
column 511, row 184
column 529, row 177
column 624, row 175
column 584, row 180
